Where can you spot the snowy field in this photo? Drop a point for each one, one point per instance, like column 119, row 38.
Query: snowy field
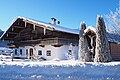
column 58, row 70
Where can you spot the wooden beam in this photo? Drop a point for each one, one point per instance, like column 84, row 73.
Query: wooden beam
column 7, row 35
column 12, row 29
column 47, row 26
column 12, row 33
column 19, row 27
column 8, row 38
column 44, row 31
column 25, row 24
column 17, row 37
column 34, row 27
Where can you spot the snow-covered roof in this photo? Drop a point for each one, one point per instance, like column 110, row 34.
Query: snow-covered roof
column 53, row 26
column 111, row 36
column 56, row 27
column 90, row 28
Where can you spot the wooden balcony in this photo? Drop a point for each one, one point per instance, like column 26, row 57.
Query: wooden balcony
column 47, row 41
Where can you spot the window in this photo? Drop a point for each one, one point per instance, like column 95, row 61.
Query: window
column 20, row 51
column 48, row 53
column 69, row 52
column 26, row 52
column 39, row 52
column 15, row 51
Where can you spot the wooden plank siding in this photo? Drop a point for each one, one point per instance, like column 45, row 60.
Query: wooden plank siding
column 115, row 51
column 48, row 41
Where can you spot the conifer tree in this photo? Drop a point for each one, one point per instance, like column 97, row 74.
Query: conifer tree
column 102, row 46
column 83, row 45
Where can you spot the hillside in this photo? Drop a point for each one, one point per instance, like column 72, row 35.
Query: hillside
column 3, row 43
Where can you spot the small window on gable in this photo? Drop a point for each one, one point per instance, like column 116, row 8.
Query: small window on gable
column 48, row 53
column 20, row 51
column 39, row 52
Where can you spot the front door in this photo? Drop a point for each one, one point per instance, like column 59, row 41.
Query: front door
column 31, row 53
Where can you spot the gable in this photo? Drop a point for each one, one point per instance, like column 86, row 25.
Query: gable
column 24, row 28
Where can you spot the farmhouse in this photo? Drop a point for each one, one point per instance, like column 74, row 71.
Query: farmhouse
column 31, row 38
column 35, row 38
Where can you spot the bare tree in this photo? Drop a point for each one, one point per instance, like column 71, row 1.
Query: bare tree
column 83, row 45
column 113, row 21
column 102, row 45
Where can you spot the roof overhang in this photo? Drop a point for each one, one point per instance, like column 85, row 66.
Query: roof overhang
column 20, row 23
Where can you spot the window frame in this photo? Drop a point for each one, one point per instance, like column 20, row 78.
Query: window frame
column 40, row 54
column 16, row 51
column 21, row 52
column 26, row 52
column 48, row 53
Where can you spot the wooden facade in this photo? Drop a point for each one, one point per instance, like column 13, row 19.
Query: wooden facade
column 47, row 41
column 114, row 50
column 28, row 33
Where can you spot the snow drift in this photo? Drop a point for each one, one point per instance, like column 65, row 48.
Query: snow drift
column 58, row 70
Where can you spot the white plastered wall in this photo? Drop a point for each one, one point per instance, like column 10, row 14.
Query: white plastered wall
column 56, row 52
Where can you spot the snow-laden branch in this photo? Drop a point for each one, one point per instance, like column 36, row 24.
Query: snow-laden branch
column 113, row 21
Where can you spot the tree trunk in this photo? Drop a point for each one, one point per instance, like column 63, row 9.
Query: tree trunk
column 102, row 45
column 83, row 45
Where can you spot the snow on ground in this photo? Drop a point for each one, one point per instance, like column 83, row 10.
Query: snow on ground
column 58, row 70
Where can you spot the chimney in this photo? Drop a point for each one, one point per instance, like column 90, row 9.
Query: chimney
column 58, row 22
column 53, row 21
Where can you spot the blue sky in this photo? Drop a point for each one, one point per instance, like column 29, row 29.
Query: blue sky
column 69, row 12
